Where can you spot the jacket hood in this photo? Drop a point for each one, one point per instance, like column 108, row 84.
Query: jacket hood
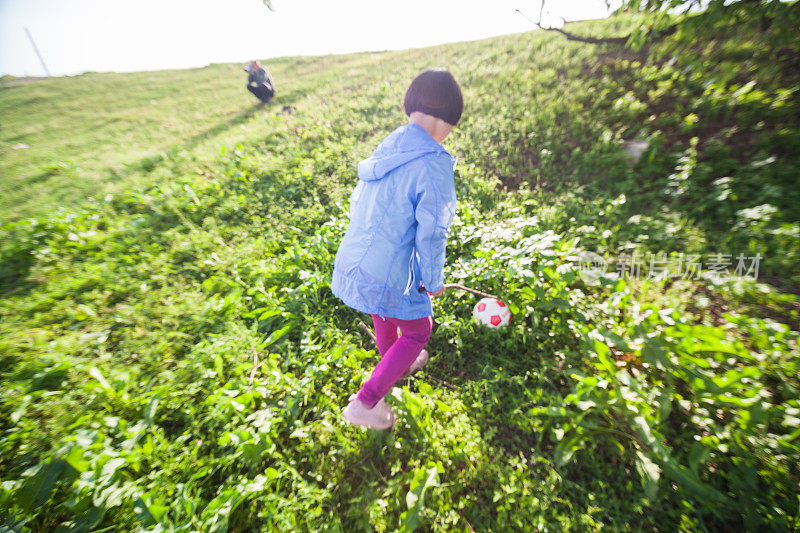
column 406, row 143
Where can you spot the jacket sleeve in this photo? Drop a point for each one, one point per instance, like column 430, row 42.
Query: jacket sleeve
column 434, row 212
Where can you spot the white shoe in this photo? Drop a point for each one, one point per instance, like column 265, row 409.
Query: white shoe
column 419, row 362
column 381, row 416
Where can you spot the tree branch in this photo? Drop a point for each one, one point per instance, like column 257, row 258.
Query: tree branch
column 256, row 366
column 572, row 36
column 369, row 331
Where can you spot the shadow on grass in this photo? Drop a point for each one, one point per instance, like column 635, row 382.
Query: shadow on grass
column 363, row 479
column 16, row 287
column 16, row 260
column 275, row 105
column 278, row 106
column 226, row 124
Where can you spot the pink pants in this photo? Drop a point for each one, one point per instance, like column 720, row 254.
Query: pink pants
column 397, row 353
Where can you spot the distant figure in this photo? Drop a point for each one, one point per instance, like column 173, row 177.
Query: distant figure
column 259, row 82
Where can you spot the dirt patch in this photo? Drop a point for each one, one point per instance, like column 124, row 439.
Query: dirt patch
column 715, row 309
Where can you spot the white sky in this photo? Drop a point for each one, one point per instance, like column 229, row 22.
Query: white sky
column 74, row 36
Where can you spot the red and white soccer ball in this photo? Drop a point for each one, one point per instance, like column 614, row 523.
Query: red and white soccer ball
column 492, row 312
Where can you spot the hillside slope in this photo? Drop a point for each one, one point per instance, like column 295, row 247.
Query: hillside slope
column 172, row 356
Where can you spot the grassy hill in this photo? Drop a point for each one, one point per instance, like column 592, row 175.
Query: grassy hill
column 172, row 356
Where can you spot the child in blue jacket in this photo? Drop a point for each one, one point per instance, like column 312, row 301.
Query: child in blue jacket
column 400, row 213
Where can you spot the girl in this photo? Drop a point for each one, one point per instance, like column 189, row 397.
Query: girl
column 400, row 213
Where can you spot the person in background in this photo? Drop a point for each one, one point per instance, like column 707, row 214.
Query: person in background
column 259, row 82
column 389, row 263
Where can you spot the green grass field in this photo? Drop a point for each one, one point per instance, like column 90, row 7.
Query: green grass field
column 172, row 358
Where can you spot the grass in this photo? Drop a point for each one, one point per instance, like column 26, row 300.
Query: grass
column 172, row 356
column 104, row 132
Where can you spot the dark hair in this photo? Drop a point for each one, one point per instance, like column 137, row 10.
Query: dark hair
column 436, row 93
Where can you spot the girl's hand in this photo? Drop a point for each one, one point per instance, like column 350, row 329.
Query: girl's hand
column 437, row 293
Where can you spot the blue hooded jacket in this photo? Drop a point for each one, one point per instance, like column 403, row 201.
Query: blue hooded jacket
column 400, row 213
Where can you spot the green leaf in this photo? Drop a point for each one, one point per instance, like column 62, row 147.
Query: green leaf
column 616, row 341
column 415, row 498
column 74, row 458
column 654, row 353
column 88, row 521
column 602, row 355
column 690, row 482
column 698, row 453
column 151, row 409
column 95, row 373
column 219, row 368
column 275, row 335
column 548, row 411
column 665, row 404
column 37, row 488
column 650, row 473
column 566, row 448
column 269, row 314
column 149, row 513
column 111, row 465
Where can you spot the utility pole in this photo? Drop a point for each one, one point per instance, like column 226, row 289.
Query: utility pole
column 37, row 52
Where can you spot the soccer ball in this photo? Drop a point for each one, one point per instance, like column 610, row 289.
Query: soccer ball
column 492, row 312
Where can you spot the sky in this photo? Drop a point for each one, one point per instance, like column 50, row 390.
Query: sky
column 76, row 36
